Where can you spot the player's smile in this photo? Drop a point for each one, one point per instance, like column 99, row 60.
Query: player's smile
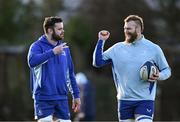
column 62, row 35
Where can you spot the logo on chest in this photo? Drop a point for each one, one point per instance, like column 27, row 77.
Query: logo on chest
column 63, row 53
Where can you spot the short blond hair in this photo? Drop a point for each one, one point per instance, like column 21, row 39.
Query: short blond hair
column 138, row 20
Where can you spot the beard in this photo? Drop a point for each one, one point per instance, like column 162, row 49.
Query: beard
column 57, row 37
column 130, row 37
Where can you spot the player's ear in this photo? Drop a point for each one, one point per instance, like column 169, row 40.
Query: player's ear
column 138, row 29
column 50, row 30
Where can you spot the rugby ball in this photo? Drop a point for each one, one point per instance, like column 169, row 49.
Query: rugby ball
column 147, row 70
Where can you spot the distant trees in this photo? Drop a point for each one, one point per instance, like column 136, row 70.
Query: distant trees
column 21, row 23
column 8, row 24
column 109, row 14
column 168, row 21
column 21, row 20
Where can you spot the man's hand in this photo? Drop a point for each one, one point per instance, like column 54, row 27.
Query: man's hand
column 76, row 104
column 155, row 76
column 103, row 35
column 59, row 49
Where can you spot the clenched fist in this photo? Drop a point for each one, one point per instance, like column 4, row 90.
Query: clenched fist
column 103, row 35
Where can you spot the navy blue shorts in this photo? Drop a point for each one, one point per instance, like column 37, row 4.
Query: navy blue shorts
column 128, row 109
column 56, row 108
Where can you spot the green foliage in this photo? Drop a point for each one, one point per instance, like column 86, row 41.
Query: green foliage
column 21, row 22
column 78, row 31
column 78, row 34
column 9, row 28
column 170, row 20
column 109, row 14
column 16, row 102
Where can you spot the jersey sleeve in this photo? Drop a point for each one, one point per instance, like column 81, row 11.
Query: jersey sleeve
column 36, row 56
column 72, row 83
column 162, row 64
column 100, row 58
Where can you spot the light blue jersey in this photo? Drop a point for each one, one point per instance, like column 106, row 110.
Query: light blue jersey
column 126, row 60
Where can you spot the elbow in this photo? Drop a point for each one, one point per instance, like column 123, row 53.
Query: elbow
column 169, row 72
column 96, row 64
column 31, row 64
column 165, row 74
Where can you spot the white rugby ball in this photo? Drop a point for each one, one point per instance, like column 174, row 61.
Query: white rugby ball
column 147, row 70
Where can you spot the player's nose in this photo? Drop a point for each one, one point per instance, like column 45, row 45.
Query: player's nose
column 125, row 31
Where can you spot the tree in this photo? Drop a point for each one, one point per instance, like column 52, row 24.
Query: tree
column 21, row 21
column 8, row 25
column 168, row 21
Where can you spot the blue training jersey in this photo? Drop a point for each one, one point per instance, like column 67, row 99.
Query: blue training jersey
column 52, row 76
column 126, row 60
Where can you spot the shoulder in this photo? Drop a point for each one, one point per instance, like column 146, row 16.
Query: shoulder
column 153, row 47
column 117, row 45
column 150, row 44
column 114, row 48
column 37, row 43
column 39, row 40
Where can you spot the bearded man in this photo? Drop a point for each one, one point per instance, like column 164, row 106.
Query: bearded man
column 135, row 97
column 52, row 72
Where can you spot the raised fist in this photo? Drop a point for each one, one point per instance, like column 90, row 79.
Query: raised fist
column 103, row 35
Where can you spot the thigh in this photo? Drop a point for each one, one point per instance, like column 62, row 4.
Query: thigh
column 125, row 110
column 43, row 108
column 145, row 107
column 62, row 110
